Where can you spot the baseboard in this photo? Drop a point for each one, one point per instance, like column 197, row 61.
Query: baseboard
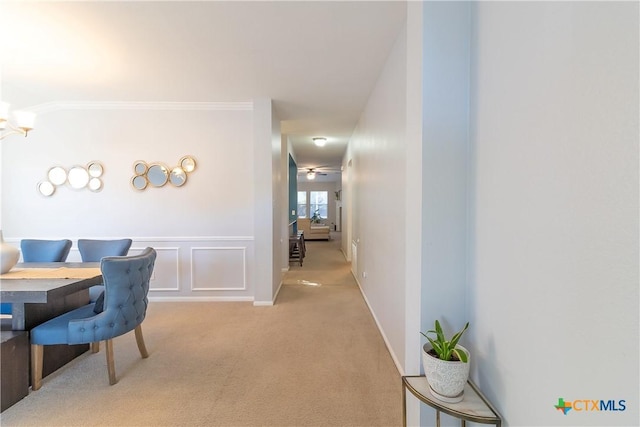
column 275, row 297
column 200, row 299
column 384, row 337
column 263, row 303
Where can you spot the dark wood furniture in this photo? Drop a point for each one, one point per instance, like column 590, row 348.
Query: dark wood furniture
column 14, row 367
column 36, row 300
column 297, row 247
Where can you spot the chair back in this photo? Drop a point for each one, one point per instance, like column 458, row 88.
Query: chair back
column 95, row 250
column 126, row 282
column 34, row 250
column 6, row 308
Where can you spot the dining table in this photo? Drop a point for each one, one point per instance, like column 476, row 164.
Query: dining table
column 41, row 291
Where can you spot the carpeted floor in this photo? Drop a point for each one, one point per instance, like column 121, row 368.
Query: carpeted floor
column 313, row 359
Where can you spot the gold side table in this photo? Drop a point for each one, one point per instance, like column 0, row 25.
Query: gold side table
column 475, row 407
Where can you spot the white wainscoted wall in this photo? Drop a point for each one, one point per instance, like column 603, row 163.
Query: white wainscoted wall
column 196, row 268
column 204, row 231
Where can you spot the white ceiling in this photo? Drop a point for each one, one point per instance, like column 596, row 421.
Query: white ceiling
column 318, row 61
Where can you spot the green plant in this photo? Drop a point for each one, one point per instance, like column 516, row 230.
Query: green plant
column 316, row 218
column 445, row 349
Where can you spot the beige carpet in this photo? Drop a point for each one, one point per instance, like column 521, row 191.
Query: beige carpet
column 313, row 359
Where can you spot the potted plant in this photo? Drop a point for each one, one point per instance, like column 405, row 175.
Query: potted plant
column 446, row 364
column 316, row 218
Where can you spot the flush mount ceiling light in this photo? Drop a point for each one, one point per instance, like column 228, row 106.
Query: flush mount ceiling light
column 23, row 121
column 320, row 142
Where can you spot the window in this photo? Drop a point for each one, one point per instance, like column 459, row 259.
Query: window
column 318, row 203
column 302, row 204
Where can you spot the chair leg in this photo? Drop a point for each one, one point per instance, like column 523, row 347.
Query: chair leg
column 95, row 347
column 111, row 366
column 140, row 342
column 37, row 352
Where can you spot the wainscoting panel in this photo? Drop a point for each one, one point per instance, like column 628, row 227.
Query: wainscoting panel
column 166, row 271
column 200, row 268
column 218, row 268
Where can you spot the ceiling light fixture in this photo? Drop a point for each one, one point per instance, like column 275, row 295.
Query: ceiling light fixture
column 23, row 121
column 311, row 175
column 320, row 142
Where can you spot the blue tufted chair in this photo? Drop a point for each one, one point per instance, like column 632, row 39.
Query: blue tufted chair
column 95, row 250
column 34, row 250
column 40, row 251
column 126, row 281
column 5, row 308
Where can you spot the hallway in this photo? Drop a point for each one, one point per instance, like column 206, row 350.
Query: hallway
column 352, row 364
column 315, row 358
column 324, row 263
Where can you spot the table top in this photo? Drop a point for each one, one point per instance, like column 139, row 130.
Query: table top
column 474, row 407
column 39, row 282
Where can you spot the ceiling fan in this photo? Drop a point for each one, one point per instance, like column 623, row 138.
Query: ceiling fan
column 320, row 170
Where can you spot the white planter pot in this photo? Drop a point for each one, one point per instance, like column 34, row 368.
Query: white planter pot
column 9, row 255
column 446, row 379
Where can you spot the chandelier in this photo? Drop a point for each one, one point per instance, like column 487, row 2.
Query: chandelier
column 22, row 122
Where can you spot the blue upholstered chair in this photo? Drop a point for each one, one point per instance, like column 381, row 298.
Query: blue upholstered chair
column 34, row 250
column 5, row 308
column 126, row 281
column 95, row 250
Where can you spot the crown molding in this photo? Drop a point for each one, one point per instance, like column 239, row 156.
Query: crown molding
column 141, row 105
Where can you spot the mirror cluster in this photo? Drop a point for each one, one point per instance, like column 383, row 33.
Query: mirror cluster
column 158, row 174
column 77, row 177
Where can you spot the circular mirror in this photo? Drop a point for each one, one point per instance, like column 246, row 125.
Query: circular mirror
column 95, row 169
column 78, row 177
column 57, row 175
column 139, row 182
column 178, row 177
column 157, row 175
column 95, row 184
column 140, row 167
column 188, row 164
column 46, row 188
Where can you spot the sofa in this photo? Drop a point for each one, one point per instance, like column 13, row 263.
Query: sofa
column 313, row 231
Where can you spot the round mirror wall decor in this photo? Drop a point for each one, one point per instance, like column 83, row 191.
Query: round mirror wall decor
column 188, row 164
column 140, row 167
column 95, row 169
column 95, row 185
column 139, row 182
column 57, row 175
column 178, row 176
column 46, row 188
column 158, row 174
column 77, row 177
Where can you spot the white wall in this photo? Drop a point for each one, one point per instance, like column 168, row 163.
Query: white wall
column 377, row 200
column 554, row 285
column 279, row 205
column 444, row 169
column 204, row 231
column 538, row 202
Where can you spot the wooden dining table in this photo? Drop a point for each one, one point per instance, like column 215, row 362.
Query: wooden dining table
column 41, row 291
